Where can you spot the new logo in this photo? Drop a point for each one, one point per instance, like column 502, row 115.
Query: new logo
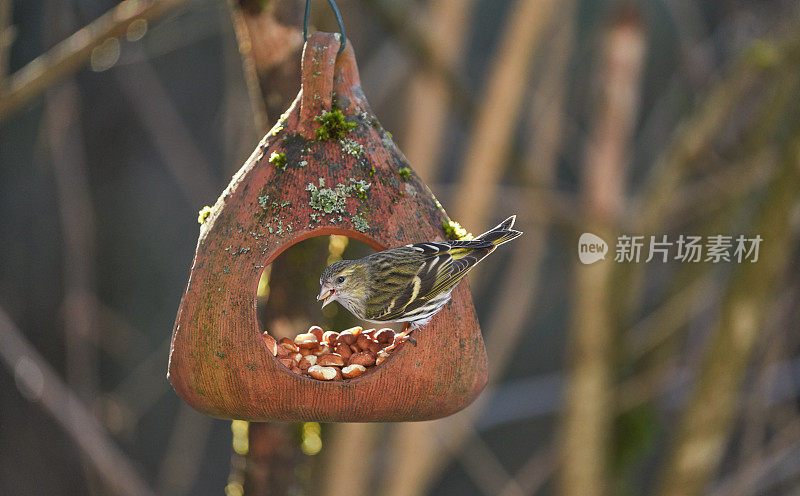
column 591, row 248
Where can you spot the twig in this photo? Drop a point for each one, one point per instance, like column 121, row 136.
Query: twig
column 248, row 66
column 535, row 472
column 271, row 459
column 6, row 38
column 77, row 221
column 38, row 382
column 168, row 132
column 267, row 46
column 734, row 181
column 785, row 444
column 240, row 108
column 346, row 439
column 588, row 415
column 145, row 384
column 486, row 470
column 706, row 422
column 427, row 94
column 756, row 414
column 547, row 110
column 657, row 326
column 693, row 138
column 270, row 42
column 405, row 28
column 184, row 452
column 498, row 115
column 72, row 53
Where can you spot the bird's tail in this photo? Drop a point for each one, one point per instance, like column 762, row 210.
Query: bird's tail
column 502, row 233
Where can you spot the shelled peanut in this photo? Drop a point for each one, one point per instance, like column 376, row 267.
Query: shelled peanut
column 331, row 355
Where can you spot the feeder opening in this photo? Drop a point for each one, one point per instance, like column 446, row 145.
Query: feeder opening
column 322, row 343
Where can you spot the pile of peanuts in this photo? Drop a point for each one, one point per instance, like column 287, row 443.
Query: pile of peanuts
column 335, row 356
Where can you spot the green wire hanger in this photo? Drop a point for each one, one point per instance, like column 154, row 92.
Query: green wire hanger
column 338, row 21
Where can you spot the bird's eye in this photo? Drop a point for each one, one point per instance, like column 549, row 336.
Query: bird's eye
column 340, row 279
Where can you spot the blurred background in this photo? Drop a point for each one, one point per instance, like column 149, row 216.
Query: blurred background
column 118, row 122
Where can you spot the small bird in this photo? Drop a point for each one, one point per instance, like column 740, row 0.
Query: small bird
column 410, row 283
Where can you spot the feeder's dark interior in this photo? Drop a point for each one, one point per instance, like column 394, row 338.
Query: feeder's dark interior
column 287, row 290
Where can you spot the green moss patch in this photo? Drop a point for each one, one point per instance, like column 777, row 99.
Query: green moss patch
column 333, row 125
column 203, row 214
column 454, row 231
column 278, row 159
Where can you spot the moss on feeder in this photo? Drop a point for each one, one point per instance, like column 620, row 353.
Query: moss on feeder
column 278, row 159
column 203, row 214
column 454, row 231
column 333, row 125
column 405, row 173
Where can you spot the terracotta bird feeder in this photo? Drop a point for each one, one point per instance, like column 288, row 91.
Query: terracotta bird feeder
column 327, row 167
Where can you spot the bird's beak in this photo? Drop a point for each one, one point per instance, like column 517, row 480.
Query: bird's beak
column 326, row 295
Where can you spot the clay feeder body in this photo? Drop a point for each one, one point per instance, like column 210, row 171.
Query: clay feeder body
column 315, row 175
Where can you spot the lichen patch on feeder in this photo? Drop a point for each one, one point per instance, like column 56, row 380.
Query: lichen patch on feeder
column 236, row 253
column 279, row 228
column 351, row 147
column 359, row 223
column 334, row 200
column 360, row 187
column 327, row 200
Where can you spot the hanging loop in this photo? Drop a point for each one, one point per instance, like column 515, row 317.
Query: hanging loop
column 338, row 21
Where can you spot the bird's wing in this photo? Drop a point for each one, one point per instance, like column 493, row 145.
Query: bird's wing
column 418, row 273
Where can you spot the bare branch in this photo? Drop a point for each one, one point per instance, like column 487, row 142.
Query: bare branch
column 39, row 383
column 6, row 38
column 587, row 421
column 428, row 95
column 346, row 439
column 72, row 53
column 185, row 452
column 168, row 132
column 707, row 420
column 501, row 107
